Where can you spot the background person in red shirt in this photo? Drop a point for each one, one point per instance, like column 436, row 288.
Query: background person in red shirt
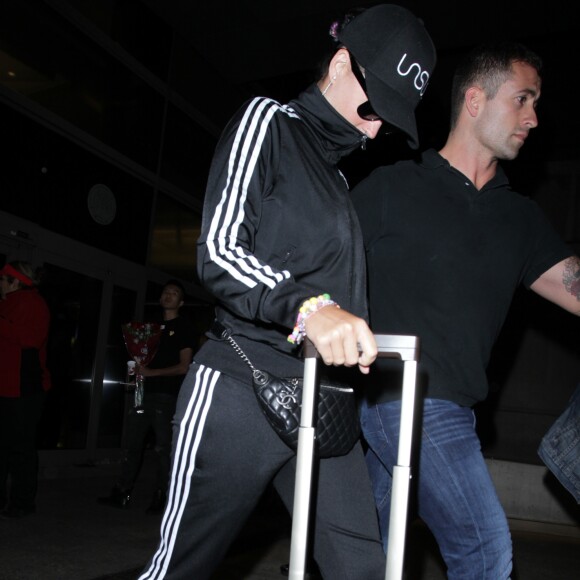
column 24, row 381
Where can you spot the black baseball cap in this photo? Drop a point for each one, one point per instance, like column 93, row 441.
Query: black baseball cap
column 398, row 58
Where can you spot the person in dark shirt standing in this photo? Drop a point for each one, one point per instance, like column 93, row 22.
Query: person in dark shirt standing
column 447, row 243
column 163, row 378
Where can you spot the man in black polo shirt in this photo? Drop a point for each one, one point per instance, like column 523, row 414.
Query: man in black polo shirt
column 163, row 378
column 448, row 242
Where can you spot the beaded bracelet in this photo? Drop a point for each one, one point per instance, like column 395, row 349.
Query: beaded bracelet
column 308, row 307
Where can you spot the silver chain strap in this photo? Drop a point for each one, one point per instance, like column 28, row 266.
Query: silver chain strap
column 258, row 374
column 286, row 397
column 238, row 349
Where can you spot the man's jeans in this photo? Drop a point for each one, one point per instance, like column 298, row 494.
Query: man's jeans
column 456, row 497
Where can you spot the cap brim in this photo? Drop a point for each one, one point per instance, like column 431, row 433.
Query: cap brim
column 392, row 107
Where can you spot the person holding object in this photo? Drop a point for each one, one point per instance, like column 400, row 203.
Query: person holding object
column 447, row 244
column 24, row 328
column 163, row 378
column 281, row 251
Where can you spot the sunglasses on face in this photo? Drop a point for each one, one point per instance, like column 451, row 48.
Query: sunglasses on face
column 365, row 110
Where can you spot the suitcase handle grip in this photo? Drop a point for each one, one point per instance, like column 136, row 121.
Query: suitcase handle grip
column 400, row 346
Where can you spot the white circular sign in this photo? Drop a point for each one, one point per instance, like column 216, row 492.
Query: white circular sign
column 102, row 204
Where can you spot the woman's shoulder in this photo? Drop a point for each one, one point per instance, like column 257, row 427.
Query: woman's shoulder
column 23, row 304
column 257, row 115
column 260, row 105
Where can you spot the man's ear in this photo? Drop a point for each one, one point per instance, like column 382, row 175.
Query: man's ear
column 473, row 100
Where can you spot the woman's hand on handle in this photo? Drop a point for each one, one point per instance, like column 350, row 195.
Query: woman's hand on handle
column 341, row 338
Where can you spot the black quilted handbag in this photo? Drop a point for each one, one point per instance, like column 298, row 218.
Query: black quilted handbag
column 337, row 421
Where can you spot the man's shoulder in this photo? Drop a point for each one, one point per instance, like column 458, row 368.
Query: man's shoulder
column 386, row 176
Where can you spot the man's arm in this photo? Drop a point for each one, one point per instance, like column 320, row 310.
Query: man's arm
column 561, row 284
column 185, row 358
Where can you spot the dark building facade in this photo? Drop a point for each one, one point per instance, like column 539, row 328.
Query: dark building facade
column 103, row 169
column 109, row 119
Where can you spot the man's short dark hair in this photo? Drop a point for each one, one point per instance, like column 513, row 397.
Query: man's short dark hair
column 488, row 65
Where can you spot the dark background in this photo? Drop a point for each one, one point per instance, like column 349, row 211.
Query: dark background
column 133, row 94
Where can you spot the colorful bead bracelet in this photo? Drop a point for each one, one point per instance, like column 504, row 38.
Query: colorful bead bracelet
column 308, row 307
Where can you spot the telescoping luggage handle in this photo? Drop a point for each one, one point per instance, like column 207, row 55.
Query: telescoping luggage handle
column 405, row 348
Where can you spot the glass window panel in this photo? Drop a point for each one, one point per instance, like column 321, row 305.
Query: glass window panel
column 197, row 81
column 153, row 311
column 69, row 74
column 74, row 301
column 187, row 152
column 48, row 180
column 116, row 395
column 135, row 27
column 175, row 232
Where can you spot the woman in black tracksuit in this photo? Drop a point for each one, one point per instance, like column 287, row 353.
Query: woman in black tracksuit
column 278, row 228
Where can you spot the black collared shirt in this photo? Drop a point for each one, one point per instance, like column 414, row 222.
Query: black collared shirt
column 444, row 260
